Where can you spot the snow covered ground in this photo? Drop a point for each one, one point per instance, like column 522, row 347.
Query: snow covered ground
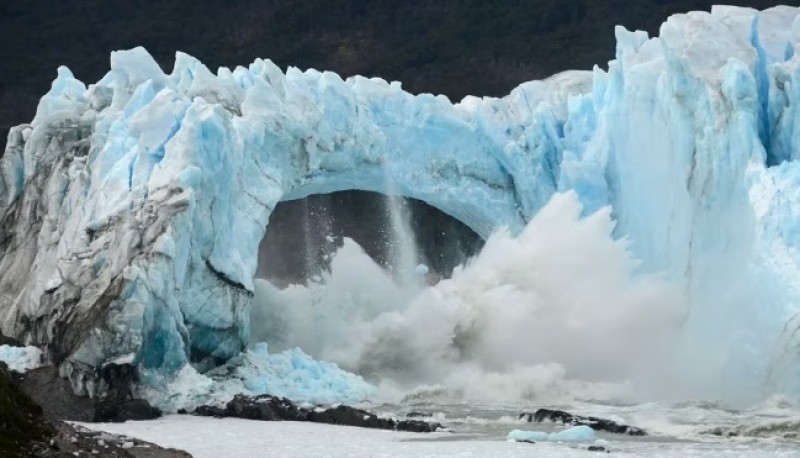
column 233, row 438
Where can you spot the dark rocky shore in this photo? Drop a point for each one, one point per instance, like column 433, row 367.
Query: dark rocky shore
column 271, row 408
column 55, row 396
column 27, row 430
column 597, row 424
column 35, row 406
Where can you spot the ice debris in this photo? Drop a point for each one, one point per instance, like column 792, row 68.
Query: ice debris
column 574, row 434
column 20, row 359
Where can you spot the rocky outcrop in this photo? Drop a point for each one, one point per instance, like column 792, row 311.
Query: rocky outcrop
column 28, row 431
column 59, row 402
column 270, row 408
column 23, row 428
column 133, row 409
column 597, row 424
column 71, row 441
column 781, row 429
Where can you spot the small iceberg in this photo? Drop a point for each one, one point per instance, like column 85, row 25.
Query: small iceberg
column 574, row 434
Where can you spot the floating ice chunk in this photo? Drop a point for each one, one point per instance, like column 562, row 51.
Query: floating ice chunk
column 574, row 434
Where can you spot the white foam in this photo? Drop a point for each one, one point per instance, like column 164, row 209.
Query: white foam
column 552, row 310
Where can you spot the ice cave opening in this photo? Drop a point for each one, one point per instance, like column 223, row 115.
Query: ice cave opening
column 348, row 255
column 304, row 234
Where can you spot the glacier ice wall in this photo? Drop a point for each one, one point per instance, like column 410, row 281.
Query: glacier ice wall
column 131, row 210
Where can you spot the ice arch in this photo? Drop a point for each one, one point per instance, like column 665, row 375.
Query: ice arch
column 152, row 192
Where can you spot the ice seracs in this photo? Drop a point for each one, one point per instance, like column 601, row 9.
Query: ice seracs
column 131, row 210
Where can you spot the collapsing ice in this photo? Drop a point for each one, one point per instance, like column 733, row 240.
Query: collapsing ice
column 131, row 210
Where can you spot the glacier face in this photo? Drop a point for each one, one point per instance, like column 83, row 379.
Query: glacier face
column 131, row 210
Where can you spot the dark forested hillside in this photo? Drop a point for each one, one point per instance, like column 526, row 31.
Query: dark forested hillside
column 452, row 47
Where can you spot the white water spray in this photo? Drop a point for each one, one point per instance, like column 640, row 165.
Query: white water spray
column 310, row 248
column 403, row 252
column 403, row 246
column 561, row 300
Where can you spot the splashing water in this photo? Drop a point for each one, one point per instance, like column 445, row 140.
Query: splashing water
column 403, row 249
column 560, row 301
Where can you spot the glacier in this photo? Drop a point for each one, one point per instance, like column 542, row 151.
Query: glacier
column 131, row 209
